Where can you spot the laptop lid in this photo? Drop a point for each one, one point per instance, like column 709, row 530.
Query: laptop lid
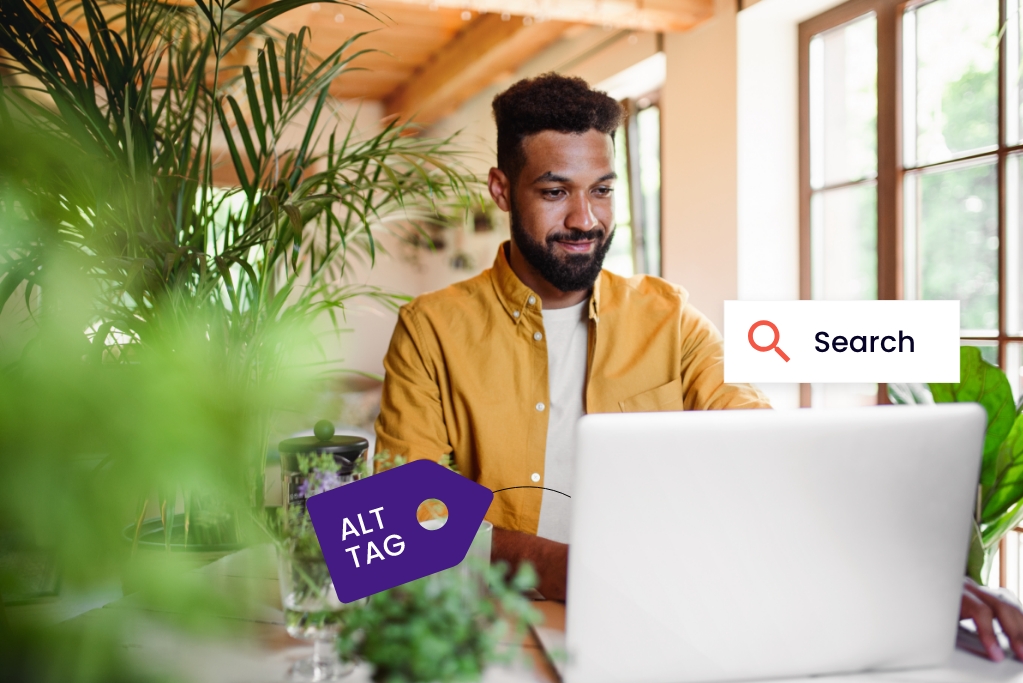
column 724, row 545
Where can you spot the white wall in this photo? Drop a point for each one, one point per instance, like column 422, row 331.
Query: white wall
column 768, row 147
column 698, row 148
column 767, row 134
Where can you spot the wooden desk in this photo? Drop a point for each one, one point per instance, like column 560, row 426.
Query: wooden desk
column 256, row 648
column 262, row 651
column 554, row 618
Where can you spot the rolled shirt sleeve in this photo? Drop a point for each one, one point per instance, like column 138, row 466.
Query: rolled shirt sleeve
column 411, row 421
column 703, row 369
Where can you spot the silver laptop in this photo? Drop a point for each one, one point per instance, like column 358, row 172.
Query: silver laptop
column 729, row 545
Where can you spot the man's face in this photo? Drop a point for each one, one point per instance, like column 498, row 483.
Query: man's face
column 562, row 206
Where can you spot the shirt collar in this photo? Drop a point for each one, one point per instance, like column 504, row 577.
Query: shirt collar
column 514, row 295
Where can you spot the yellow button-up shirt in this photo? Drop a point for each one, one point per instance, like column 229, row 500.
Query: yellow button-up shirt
column 466, row 374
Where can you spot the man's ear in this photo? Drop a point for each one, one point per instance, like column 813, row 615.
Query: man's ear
column 500, row 188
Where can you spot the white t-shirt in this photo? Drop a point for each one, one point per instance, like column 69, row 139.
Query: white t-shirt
column 567, row 346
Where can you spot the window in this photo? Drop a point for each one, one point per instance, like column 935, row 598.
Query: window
column 637, row 244
column 911, row 147
column 843, row 177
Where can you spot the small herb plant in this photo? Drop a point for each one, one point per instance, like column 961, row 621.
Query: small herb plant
column 321, row 473
column 440, row 628
column 1000, row 492
column 291, row 529
column 437, row 629
column 310, row 606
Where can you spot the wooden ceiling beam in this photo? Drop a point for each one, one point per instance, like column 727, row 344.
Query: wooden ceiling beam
column 641, row 15
column 475, row 58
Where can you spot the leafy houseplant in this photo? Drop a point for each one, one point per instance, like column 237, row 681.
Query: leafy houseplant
column 168, row 95
column 439, row 628
column 1000, row 490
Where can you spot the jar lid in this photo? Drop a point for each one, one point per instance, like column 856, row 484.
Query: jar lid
column 349, row 446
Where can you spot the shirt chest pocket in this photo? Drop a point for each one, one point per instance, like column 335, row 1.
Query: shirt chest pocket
column 663, row 398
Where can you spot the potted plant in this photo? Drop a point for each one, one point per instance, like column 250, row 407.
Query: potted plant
column 441, row 627
column 169, row 95
column 1000, row 490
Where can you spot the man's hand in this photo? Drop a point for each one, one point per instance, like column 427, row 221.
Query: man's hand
column 983, row 607
column 549, row 558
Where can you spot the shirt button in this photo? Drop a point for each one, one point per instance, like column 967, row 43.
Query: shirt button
column 532, row 300
column 540, row 406
column 515, row 314
column 535, row 477
column 538, row 336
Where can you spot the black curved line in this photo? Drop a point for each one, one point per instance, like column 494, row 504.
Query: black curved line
column 508, row 488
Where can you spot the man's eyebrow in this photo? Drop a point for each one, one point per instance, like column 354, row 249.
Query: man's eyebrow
column 551, row 177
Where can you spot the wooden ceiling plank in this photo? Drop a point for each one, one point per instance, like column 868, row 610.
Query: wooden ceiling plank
column 645, row 15
column 469, row 63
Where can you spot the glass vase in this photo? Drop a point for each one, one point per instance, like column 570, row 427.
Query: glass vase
column 312, row 612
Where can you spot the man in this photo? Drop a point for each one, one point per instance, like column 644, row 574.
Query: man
column 496, row 370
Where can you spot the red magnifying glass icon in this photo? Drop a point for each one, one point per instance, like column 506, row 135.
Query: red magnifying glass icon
column 773, row 345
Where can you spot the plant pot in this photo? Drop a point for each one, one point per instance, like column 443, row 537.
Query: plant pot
column 151, row 547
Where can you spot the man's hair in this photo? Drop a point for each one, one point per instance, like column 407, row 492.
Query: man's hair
column 549, row 102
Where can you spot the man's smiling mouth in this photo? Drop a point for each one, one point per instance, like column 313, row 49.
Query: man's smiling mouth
column 577, row 246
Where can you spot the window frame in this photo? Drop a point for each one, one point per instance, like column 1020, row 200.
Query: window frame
column 637, row 213
column 891, row 171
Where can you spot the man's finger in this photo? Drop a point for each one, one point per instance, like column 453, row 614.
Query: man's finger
column 983, row 618
column 1011, row 619
column 1007, row 614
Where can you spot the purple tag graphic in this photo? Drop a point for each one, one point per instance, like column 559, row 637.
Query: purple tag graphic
column 372, row 539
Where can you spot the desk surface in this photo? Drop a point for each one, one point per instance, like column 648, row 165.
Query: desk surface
column 263, row 651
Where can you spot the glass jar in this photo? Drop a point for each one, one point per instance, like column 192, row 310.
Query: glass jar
column 296, row 486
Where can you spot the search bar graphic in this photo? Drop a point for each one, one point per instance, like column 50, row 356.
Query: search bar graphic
column 841, row 341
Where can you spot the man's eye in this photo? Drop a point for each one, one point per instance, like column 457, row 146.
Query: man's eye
column 603, row 191
column 553, row 194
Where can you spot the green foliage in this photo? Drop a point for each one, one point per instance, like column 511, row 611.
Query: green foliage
column 317, row 464
column 958, row 207
column 439, row 628
column 292, row 532
column 1001, row 480
column 1007, row 489
column 909, row 394
column 147, row 91
column 444, row 627
column 385, row 460
column 983, row 383
column 171, row 319
column 959, row 242
column 81, row 442
column 970, row 106
column 292, row 529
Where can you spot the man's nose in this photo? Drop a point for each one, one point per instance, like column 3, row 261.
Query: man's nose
column 580, row 215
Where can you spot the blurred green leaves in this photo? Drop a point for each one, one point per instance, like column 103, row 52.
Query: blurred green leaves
column 150, row 99
column 171, row 317
column 442, row 627
column 168, row 96
column 1000, row 506
column 983, row 383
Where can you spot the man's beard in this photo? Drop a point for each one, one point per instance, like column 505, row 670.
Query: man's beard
column 569, row 272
